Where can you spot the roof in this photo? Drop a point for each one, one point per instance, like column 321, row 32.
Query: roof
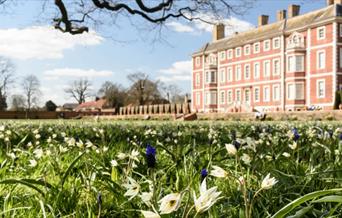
column 273, row 29
column 70, row 105
column 91, row 105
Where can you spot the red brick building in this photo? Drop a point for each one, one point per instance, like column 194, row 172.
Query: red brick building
column 291, row 64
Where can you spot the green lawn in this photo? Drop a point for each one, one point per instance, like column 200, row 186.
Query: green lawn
column 75, row 168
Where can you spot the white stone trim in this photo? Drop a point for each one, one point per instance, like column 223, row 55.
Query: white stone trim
column 251, row 84
column 252, row 59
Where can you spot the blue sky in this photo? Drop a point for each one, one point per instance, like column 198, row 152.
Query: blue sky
column 110, row 53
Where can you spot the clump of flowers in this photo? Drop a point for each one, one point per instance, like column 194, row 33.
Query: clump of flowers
column 207, row 198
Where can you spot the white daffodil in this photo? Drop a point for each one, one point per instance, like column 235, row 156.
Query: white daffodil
column 49, row 140
column 121, row 156
column 268, row 182
column 114, row 163
column 105, row 149
column 2, row 128
column 246, row 159
column 241, row 180
column 293, row 146
column 207, row 198
column 36, row 131
column 33, row 163
column 37, row 136
column 170, row 203
column 132, row 187
column 11, row 155
column 54, row 135
column 8, row 132
column 231, row 149
column 134, row 155
column 285, row 154
column 146, row 197
column 150, row 214
column 218, row 172
column 38, row 153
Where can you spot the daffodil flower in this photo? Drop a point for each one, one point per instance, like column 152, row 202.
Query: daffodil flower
column 231, row 149
column 207, row 198
column 150, row 214
column 132, row 187
column 218, row 172
column 170, row 203
column 268, row 182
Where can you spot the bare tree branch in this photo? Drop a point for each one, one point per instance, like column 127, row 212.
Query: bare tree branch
column 79, row 90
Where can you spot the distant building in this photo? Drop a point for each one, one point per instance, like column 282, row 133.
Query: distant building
column 69, row 106
column 291, row 64
column 92, row 106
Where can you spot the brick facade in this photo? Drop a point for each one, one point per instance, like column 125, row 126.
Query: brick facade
column 294, row 65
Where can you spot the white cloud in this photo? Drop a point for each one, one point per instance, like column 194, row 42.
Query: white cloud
column 41, row 42
column 232, row 24
column 179, row 27
column 179, row 71
column 74, row 72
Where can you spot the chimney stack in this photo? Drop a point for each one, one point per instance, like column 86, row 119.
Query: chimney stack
column 293, row 10
column 218, row 32
column 281, row 15
column 263, row 20
column 330, row 2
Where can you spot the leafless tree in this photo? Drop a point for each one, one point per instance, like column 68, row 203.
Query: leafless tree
column 31, row 90
column 75, row 17
column 7, row 71
column 115, row 94
column 79, row 90
column 17, row 103
column 172, row 93
column 143, row 90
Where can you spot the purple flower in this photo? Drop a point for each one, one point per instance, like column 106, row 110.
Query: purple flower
column 340, row 137
column 204, row 173
column 236, row 144
column 296, row 135
column 151, row 156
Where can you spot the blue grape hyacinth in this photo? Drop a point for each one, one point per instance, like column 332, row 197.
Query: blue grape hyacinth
column 151, row 156
column 295, row 134
column 204, row 173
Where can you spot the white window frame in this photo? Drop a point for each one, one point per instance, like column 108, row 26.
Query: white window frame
column 244, row 96
column 198, row 78
column 236, row 99
column 215, row 76
column 274, row 96
column 317, row 88
column 222, row 75
column 295, row 91
column 254, row 71
column 274, row 68
column 267, row 68
column 318, row 60
column 198, row 98
column 230, row 54
column 230, row 74
column 238, row 73
column 207, row 77
column 274, row 43
column 230, row 93
column 256, row 88
column 249, row 73
column 340, row 29
column 318, row 33
column 269, row 94
column 222, row 55
column 222, row 97
column 197, row 61
column 295, row 56
column 249, row 49
column 258, row 51
column 238, row 54
column 269, row 45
